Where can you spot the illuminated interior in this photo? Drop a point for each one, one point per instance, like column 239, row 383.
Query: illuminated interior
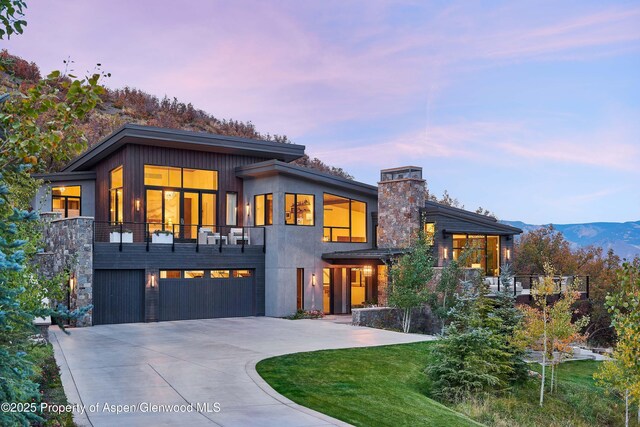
column 219, row 274
column 116, row 199
column 168, row 206
column 345, row 220
column 483, row 251
column 66, row 200
column 429, row 232
column 299, row 209
column 263, row 205
column 326, row 290
column 358, row 287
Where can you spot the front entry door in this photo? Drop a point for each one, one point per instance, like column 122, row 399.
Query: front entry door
column 300, row 288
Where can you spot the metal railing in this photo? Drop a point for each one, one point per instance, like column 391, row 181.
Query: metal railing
column 523, row 284
column 152, row 233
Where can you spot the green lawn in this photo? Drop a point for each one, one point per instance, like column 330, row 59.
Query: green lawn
column 386, row 386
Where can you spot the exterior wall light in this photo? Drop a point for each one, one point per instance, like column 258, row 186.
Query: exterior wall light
column 445, row 253
column 153, row 280
column 313, row 279
column 508, row 254
column 72, row 282
column 137, row 205
column 367, row 270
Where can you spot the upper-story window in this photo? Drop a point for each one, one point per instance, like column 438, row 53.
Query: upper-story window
column 232, row 208
column 116, row 199
column 299, row 209
column 66, row 200
column 180, row 200
column 263, row 204
column 345, row 220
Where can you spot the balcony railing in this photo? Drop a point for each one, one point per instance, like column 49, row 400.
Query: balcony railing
column 522, row 284
column 150, row 233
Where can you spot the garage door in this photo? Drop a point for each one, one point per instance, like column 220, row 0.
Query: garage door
column 118, row 296
column 205, row 297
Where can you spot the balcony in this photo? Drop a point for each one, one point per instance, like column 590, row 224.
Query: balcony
column 158, row 235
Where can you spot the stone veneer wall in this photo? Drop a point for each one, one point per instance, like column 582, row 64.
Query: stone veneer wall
column 422, row 319
column 68, row 245
column 399, row 203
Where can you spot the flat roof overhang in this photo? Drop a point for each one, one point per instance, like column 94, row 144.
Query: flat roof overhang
column 180, row 139
column 363, row 256
column 66, row 176
column 275, row 167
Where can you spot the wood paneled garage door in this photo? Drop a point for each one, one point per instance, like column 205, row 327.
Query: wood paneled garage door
column 118, row 296
column 207, row 297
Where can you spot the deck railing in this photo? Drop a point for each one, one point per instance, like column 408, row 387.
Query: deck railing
column 522, row 284
column 152, row 233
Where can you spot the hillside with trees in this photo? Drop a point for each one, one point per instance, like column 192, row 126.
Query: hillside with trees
column 130, row 105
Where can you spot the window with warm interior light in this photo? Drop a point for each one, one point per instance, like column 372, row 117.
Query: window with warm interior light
column 429, row 232
column 170, row 274
column 242, row 273
column 66, row 200
column 345, row 220
column 219, row 274
column 299, row 209
column 194, row 274
column 263, row 209
column 116, row 198
column 482, row 251
column 180, row 200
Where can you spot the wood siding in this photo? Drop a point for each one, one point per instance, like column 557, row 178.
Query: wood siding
column 118, row 296
column 184, row 299
column 185, row 257
column 134, row 157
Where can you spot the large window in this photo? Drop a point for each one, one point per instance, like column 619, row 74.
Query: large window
column 66, row 200
column 299, row 209
column 232, row 208
column 345, row 220
column 180, row 200
column 481, row 252
column 116, row 199
column 263, row 204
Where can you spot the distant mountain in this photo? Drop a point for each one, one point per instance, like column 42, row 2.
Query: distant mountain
column 622, row 237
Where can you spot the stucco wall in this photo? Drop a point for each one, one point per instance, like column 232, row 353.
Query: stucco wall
column 290, row 246
column 42, row 200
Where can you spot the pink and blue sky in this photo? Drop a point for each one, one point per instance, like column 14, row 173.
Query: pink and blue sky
column 530, row 109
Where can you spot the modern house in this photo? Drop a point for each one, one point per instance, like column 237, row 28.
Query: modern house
column 158, row 224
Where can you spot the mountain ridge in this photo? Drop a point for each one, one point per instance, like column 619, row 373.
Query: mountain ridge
column 622, row 237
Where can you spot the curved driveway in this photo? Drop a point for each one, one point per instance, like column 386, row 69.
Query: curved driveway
column 195, row 366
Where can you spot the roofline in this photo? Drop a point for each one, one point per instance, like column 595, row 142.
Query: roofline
column 434, row 207
column 66, row 176
column 199, row 141
column 275, row 167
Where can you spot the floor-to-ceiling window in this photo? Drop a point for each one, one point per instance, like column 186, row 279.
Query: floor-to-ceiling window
column 180, row 200
column 116, row 199
column 479, row 251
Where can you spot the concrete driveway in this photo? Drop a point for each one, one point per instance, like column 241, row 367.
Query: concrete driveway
column 185, row 366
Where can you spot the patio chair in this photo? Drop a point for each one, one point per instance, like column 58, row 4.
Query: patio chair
column 235, row 235
column 203, row 233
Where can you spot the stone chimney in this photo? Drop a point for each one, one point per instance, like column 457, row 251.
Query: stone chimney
column 401, row 194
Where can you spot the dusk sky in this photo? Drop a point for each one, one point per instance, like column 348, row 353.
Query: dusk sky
column 530, row 109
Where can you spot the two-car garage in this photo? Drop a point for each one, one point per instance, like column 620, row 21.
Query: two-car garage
column 127, row 296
